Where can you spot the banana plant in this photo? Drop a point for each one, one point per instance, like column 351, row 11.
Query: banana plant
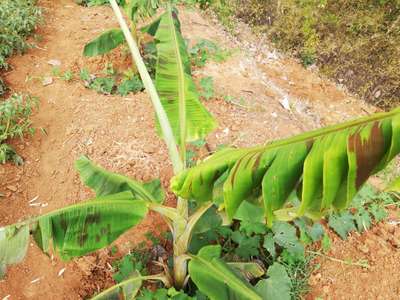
column 111, row 39
column 324, row 168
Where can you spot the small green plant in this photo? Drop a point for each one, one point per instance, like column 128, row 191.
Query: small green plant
column 67, row 76
column 133, row 85
column 207, row 87
column 205, row 50
column 15, row 122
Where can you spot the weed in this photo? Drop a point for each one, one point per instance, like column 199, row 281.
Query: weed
column 96, row 2
column 84, row 75
column 68, row 76
column 135, row 261
column 130, row 85
column 204, row 50
column 15, row 121
column 367, row 206
column 207, row 87
column 103, row 85
column 18, row 19
column 55, row 71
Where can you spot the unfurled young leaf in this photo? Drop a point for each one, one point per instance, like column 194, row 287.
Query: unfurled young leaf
column 327, row 167
column 104, row 43
column 342, row 224
column 188, row 117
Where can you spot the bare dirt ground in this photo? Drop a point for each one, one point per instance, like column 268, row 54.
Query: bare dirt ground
column 274, row 97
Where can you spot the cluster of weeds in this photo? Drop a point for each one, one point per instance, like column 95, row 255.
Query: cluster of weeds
column 252, row 241
column 15, row 122
column 367, row 207
column 18, row 19
column 96, row 2
column 354, row 42
column 205, row 50
column 112, row 82
column 135, row 261
column 67, row 75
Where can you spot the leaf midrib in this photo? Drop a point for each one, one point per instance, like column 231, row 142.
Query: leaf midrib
column 327, row 130
column 181, row 84
column 252, row 295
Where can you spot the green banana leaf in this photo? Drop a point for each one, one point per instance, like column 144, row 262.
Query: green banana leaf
column 327, row 167
column 394, row 186
column 104, row 43
column 125, row 290
column 140, row 9
column 105, row 183
column 250, row 270
column 216, row 279
column 74, row 230
column 189, row 119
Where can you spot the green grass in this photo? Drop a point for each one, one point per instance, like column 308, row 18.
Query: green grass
column 15, row 122
column 18, row 19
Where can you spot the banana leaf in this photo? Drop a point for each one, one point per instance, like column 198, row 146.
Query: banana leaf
column 75, row 230
column 106, row 183
column 189, row 119
column 327, row 167
column 218, row 280
column 104, row 43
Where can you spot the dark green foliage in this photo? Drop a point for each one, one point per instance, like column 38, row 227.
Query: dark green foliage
column 18, row 19
column 367, row 207
column 133, row 85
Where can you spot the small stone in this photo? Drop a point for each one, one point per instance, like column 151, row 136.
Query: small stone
column 364, row 249
column 12, row 188
column 54, row 62
column 285, row 103
column 47, row 81
column 377, row 94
